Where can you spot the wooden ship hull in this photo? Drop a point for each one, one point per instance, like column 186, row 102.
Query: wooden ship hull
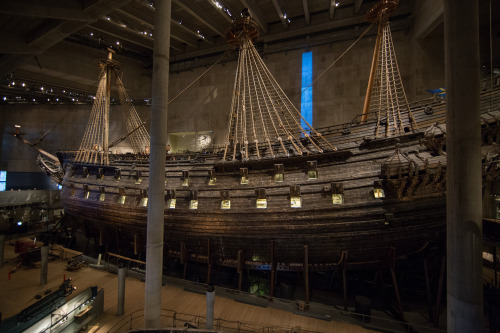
column 369, row 199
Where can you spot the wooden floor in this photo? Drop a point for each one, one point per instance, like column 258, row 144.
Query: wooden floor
column 20, row 291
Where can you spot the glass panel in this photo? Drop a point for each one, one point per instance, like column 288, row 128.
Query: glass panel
column 138, row 180
column 101, row 197
column 306, row 98
column 225, row 204
column 279, row 177
column 338, row 199
column 171, row 203
column 121, row 199
column 185, row 182
column 143, row 202
column 86, row 194
column 211, row 181
column 378, row 193
column 261, row 203
column 295, row 202
column 312, row 174
column 193, row 204
column 244, row 180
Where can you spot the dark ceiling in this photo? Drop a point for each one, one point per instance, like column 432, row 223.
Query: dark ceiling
column 30, row 27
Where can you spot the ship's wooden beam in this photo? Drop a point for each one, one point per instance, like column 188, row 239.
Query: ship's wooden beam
column 241, row 265
column 209, row 260
column 273, row 270
column 306, row 273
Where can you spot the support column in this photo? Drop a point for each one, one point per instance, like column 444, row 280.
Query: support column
column 44, row 251
column 158, row 132
column 210, row 306
column 122, row 274
column 2, row 245
column 306, row 273
column 463, row 180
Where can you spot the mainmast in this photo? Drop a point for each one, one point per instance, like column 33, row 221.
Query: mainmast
column 263, row 121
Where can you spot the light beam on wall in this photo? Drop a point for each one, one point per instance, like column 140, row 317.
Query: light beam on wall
column 306, row 101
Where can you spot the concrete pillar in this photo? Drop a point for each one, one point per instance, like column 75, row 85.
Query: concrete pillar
column 122, row 274
column 463, row 182
column 2, row 245
column 210, row 306
column 158, row 132
column 44, row 251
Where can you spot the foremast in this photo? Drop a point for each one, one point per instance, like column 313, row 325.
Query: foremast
column 95, row 146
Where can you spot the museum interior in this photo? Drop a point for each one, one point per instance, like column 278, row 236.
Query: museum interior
column 250, row 166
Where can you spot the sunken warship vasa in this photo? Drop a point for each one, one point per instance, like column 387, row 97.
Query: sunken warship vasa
column 280, row 195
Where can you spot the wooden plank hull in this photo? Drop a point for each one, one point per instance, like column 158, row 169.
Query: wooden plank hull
column 410, row 168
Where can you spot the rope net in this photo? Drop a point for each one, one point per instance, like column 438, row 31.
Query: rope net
column 94, row 147
column 389, row 98
column 263, row 121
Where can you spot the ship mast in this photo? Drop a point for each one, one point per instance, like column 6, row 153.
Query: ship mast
column 385, row 94
column 263, row 122
column 107, row 99
column 94, row 147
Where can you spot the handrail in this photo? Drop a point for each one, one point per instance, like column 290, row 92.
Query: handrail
column 241, row 326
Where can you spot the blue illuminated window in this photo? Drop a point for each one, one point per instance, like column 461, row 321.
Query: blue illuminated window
column 306, row 102
column 3, row 180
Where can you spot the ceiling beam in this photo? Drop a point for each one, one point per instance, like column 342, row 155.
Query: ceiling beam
column 256, row 14
column 194, row 10
column 52, row 9
column 307, row 15
column 331, row 10
column 428, row 15
column 122, row 35
column 357, row 5
column 179, row 36
column 281, row 14
column 58, row 31
column 220, row 10
column 189, row 31
column 15, row 44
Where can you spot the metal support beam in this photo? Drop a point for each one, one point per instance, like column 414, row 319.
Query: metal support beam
column 156, row 204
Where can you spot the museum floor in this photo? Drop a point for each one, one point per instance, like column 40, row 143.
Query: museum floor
column 19, row 292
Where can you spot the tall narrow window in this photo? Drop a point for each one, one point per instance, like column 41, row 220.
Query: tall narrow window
column 306, row 101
